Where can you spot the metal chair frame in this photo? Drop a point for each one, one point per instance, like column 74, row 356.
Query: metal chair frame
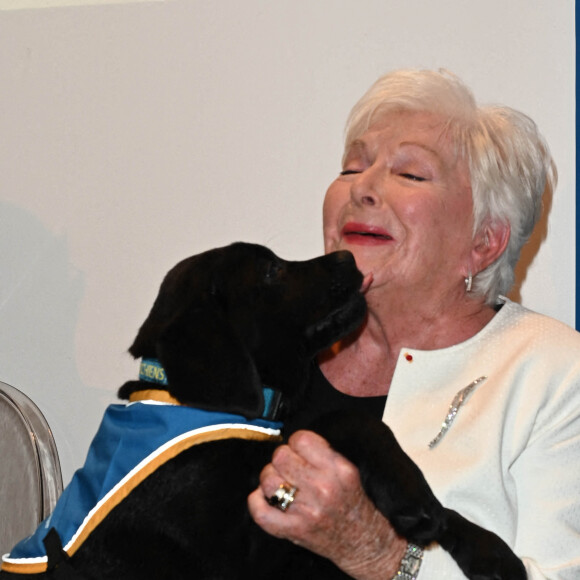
column 47, row 464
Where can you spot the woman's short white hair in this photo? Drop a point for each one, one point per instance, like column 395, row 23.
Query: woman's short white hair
column 509, row 161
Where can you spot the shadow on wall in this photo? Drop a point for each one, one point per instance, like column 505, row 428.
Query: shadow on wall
column 40, row 295
column 531, row 248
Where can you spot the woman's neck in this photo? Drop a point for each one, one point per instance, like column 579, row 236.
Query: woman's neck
column 364, row 364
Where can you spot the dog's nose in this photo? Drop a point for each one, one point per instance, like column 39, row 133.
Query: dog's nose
column 343, row 256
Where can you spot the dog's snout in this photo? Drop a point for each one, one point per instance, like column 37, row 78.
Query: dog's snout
column 344, row 268
column 344, row 274
column 343, row 257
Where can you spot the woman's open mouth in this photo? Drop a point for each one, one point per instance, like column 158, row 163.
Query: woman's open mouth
column 356, row 233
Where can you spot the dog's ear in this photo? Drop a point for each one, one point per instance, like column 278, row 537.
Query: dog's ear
column 207, row 365
column 206, row 362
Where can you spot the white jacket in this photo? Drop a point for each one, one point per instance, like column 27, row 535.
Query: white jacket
column 510, row 461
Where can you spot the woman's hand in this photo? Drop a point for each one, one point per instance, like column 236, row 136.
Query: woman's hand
column 331, row 514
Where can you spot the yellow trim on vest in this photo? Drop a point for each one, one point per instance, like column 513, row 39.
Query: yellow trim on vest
column 158, row 395
column 23, row 568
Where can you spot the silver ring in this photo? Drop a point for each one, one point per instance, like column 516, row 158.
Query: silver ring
column 283, row 496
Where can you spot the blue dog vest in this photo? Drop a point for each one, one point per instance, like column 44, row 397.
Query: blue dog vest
column 133, row 440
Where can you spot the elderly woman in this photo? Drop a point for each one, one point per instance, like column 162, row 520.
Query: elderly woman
column 435, row 200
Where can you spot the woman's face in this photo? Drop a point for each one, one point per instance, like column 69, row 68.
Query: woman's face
column 402, row 205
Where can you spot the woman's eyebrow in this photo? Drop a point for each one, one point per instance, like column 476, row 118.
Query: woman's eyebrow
column 358, row 145
column 356, row 148
column 436, row 155
column 423, row 146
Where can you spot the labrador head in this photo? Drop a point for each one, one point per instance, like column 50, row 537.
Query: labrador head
column 231, row 320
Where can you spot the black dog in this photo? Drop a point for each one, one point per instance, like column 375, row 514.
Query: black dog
column 234, row 330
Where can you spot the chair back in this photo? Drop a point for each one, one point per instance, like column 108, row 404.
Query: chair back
column 30, row 475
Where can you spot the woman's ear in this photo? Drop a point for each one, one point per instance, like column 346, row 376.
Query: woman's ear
column 489, row 244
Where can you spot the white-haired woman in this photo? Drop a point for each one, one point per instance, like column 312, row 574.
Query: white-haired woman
column 436, row 198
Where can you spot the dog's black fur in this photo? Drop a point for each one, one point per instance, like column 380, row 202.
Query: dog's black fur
column 225, row 323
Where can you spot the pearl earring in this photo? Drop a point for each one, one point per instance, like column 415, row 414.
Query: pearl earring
column 468, row 283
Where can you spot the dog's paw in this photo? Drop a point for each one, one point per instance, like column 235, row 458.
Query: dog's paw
column 481, row 554
column 420, row 524
column 494, row 566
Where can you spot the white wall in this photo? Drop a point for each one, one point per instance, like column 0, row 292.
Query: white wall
column 133, row 135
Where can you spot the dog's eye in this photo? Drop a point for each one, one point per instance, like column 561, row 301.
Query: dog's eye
column 272, row 271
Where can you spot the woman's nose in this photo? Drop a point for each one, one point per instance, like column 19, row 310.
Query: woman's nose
column 366, row 189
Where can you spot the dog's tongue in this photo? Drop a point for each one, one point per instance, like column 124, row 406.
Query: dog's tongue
column 367, row 281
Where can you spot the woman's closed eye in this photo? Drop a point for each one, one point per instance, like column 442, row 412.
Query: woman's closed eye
column 412, row 177
column 349, row 172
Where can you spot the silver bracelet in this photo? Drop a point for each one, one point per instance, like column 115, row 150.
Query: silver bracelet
column 410, row 563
